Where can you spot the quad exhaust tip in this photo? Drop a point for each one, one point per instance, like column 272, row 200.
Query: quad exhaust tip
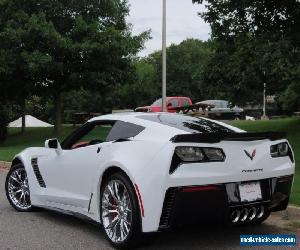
column 247, row 214
column 235, row 216
column 252, row 213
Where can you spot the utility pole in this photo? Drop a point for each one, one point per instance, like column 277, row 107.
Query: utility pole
column 264, row 104
column 164, row 57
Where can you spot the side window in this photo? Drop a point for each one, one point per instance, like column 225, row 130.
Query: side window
column 124, row 130
column 185, row 103
column 173, row 103
column 98, row 133
column 88, row 134
column 95, row 133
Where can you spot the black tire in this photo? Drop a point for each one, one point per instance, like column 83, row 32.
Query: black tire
column 135, row 236
column 12, row 170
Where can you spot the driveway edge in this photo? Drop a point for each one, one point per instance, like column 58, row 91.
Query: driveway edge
column 5, row 165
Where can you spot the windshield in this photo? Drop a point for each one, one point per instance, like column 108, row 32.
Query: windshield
column 187, row 123
column 157, row 103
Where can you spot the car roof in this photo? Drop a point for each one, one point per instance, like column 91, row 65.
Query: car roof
column 126, row 116
column 153, row 130
column 137, row 118
column 179, row 97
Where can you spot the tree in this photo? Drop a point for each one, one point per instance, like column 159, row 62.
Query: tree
column 255, row 41
column 69, row 44
column 185, row 67
column 15, row 77
column 142, row 90
column 3, row 122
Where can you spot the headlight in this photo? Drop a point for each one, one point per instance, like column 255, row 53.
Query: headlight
column 280, row 150
column 197, row 154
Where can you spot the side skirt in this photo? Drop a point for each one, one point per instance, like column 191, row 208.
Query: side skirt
column 71, row 213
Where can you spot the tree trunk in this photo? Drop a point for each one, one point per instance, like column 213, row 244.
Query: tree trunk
column 23, row 116
column 58, row 112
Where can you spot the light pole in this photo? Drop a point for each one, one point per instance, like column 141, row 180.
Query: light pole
column 264, row 104
column 164, row 57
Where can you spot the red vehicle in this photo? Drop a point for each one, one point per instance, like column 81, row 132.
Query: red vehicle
column 172, row 103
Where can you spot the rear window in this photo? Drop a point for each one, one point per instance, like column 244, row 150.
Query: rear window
column 187, row 123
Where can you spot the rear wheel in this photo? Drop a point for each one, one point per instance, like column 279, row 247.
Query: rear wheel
column 120, row 214
column 17, row 188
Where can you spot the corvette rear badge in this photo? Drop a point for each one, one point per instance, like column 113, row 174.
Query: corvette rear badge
column 251, row 156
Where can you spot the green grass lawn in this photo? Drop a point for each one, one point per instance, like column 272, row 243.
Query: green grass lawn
column 36, row 137
column 33, row 137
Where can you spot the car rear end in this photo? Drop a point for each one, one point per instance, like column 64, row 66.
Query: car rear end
column 234, row 178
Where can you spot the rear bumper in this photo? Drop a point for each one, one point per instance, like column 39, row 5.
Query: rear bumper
column 217, row 203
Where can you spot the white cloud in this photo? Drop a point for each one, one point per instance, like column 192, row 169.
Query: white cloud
column 182, row 21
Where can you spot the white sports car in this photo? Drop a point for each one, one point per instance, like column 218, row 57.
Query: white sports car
column 136, row 173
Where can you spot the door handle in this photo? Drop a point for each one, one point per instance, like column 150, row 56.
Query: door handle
column 98, row 150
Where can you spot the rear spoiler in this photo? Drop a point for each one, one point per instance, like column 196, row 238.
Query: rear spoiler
column 217, row 137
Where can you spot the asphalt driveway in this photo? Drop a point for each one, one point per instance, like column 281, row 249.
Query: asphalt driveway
column 49, row 230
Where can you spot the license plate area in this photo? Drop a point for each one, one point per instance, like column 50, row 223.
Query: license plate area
column 250, row 191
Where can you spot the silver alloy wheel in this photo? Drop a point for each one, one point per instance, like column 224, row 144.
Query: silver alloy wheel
column 116, row 211
column 18, row 189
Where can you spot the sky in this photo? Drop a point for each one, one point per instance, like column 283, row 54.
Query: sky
column 182, row 21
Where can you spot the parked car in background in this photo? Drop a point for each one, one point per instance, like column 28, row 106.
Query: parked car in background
column 173, row 102
column 224, row 110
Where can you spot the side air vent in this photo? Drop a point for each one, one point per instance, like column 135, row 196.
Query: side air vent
column 175, row 163
column 36, row 170
column 165, row 219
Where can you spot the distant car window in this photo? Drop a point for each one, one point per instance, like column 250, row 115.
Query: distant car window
column 124, row 130
column 187, row 123
column 185, row 103
column 174, row 103
column 157, row 103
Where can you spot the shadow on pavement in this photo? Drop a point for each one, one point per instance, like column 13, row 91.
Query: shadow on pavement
column 196, row 237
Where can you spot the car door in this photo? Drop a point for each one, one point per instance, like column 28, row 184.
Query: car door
column 172, row 103
column 68, row 176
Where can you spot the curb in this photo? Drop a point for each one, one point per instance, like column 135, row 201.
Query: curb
column 292, row 212
column 5, row 165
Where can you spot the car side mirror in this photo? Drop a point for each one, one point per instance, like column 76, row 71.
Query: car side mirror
column 54, row 144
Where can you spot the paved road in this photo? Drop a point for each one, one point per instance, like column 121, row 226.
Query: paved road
column 49, row 230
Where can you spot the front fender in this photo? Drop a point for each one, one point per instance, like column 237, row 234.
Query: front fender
column 25, row 157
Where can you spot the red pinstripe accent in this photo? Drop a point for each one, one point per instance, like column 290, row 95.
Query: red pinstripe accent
column 140, row 199
column 197, row 189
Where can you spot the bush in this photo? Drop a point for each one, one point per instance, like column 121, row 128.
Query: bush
column 4, row 120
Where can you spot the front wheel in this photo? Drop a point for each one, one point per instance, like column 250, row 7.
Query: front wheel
column 120, row 214
column 17, row 188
